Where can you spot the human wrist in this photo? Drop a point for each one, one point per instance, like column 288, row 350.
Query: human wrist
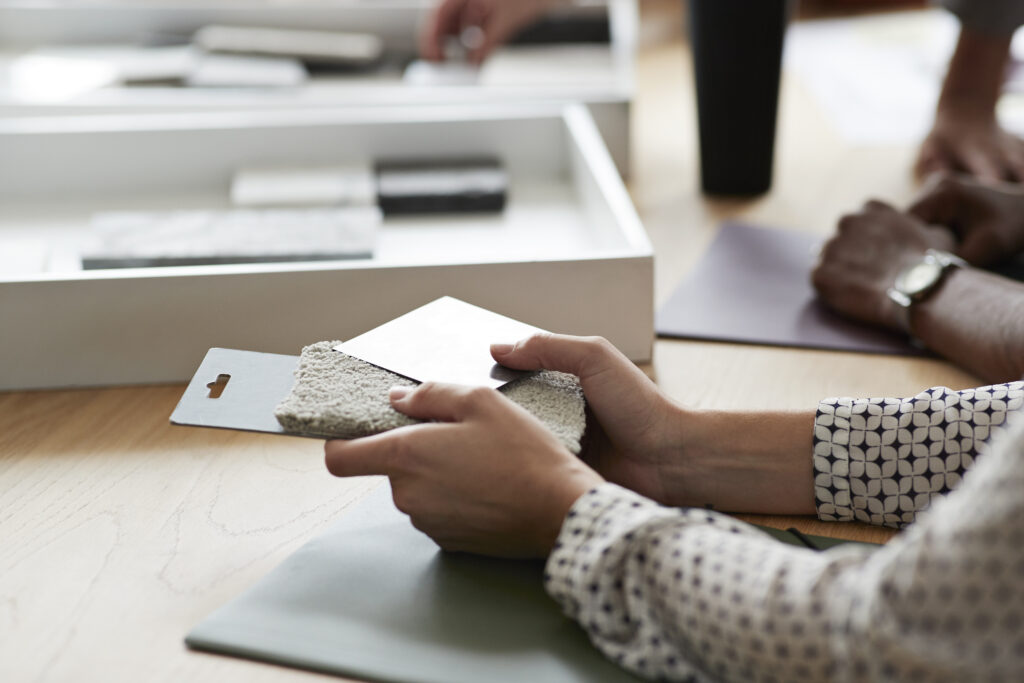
column 758, row 462
column 974, row 80
column 709, row 460
column 676, row 455
column 975, row 320
column 561, row 496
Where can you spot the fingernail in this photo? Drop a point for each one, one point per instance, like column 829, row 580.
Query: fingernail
column 502, row 349
column 397, row 393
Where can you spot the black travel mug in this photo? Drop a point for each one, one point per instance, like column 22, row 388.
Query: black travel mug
column 737, row 57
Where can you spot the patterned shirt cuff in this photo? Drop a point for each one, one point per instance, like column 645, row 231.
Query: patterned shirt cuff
column 882, row 460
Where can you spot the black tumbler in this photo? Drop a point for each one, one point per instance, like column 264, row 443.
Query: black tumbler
column 737, row 56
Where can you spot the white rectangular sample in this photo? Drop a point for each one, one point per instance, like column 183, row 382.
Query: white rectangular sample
column 23, row 256
column 446, row 340
column 337, row 47
column 548, row 65
column 239, row 236
column 314, row 186
column 450, row 73
column 125, row 63
column 234, row 71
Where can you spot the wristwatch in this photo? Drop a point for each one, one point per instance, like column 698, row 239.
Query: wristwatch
column 918, row 281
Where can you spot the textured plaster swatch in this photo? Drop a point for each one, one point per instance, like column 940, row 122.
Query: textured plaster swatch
column 338, row 396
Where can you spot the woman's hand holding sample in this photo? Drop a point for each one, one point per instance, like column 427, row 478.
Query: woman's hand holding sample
column 487, row 477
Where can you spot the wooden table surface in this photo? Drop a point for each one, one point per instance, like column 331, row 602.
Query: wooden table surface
column 118, row 532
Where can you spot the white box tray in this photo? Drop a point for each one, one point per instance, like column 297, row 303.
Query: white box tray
column 568, row 254
column 599, row 75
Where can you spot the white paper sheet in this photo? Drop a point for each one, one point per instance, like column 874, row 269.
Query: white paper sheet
column 446, row 340
column 547, row 65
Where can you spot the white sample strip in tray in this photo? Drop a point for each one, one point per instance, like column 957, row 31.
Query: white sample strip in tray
column 178, row 238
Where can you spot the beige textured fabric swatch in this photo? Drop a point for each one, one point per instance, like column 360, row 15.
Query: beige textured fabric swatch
column 339, row 396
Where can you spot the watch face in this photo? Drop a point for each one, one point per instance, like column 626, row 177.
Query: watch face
column 919, row 278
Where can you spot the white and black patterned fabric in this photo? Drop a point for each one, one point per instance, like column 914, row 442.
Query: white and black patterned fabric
column 883, row 460
column 694, row 595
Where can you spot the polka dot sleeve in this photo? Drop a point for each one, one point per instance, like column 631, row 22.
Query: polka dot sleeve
column 883, row 460
column 693, row 595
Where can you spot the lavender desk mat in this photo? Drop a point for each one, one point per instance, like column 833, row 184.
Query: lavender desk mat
column 753, row 286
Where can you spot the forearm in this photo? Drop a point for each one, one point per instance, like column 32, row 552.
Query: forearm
column 746, row 462
column 839, row 461
column 976, row 72
column 693, row 595
column 975, row 319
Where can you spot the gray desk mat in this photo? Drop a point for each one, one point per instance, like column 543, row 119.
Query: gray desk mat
column 754, row 286
column 372, row 598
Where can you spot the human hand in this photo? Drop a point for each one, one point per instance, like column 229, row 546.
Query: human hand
column 483, row 24
column 988, row 220
column 634, row 434
column 974, row 143
column 487, row 477
column 860, row 263
column 966, row 135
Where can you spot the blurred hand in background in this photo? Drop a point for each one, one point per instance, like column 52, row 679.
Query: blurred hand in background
column 966, row 136
column 480, row 25
column 988, row 220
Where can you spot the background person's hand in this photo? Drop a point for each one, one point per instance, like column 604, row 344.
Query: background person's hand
column 974, row 144
column 486, row 478
column 861, row 262
column 988, row 220
column 485, row 24
column 634, row 433
column 966, row 136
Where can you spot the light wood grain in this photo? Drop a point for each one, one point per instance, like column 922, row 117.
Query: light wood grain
column 119, row 532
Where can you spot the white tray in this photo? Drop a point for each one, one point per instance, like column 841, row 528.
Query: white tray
column 599, row 75
column 568, row 254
